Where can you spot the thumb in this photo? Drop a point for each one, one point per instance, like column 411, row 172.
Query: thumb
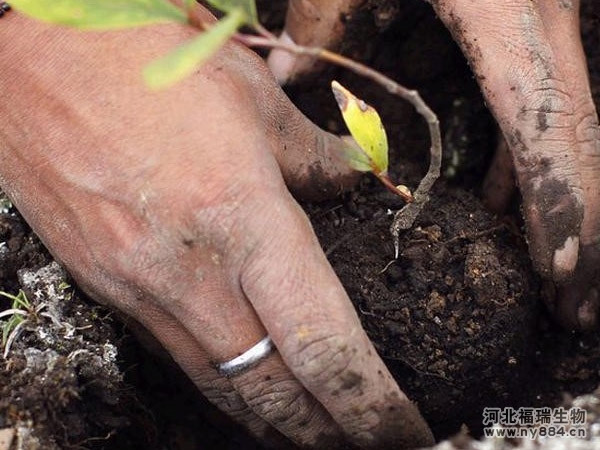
column 312, row 161
column 313, row 165
column 314, row 23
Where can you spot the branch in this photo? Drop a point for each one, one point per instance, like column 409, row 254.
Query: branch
column 405, row 217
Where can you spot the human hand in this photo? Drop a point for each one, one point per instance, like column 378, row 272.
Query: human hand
column 172, row 207
column 530, row 64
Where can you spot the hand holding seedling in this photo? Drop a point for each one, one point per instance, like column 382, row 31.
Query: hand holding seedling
column 172, row 206
column 530, row 64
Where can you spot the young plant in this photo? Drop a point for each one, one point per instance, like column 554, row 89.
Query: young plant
column 182, row 61
column 17, row 316
column 22, row 312
column 371, row 152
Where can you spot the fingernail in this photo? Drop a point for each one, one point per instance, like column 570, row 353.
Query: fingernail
column 281, row 62
column 565, row 259
column 587, row 313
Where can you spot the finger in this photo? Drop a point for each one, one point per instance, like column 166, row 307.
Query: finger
column 319, row 336
column 269, row 389
column 143, row 316
column 185, row 270
column 312, row 161
column 264, row 392
column 527, row 91
column 577, row 302
column 313, row 23
column 273, row 393
column 203, row 295
column 197, row 365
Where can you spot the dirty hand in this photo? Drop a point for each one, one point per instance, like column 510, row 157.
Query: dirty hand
column 172, row 207
column 528, row 58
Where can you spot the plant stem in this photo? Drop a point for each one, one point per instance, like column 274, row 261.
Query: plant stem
column 406, row 216
column 385, row 180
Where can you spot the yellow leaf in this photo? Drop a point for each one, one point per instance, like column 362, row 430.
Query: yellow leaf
column 366, row 128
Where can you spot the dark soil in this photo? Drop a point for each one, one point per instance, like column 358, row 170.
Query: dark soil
column 458, row 317
column 455, row 315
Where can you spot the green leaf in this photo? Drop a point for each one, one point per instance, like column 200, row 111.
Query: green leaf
column 18, row 301
column 355, row 156
column 101, row 14
column 365, row 127
column 247, row 6
column 182, row 61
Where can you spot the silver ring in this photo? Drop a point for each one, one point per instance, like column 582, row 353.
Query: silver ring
column 248, row 359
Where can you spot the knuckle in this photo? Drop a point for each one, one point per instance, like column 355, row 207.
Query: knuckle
column 544, row 133
column 270, row 396
column 231, row 403
column 322, row 359
column 587, row 129
column 551, row 95
column 550, row 107
column 140, row 259
column 284, row 402
column 228, row 401
column 120, row 247
column 221, row 393
column 220, row 229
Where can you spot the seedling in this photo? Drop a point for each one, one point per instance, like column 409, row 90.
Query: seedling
column 22, row 312
column 18, row 315
column 184, row 60
column 371, row 152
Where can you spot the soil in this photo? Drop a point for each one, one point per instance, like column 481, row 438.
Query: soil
column 458, row 316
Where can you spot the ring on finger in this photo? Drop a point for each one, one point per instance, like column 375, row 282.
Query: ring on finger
column 248, row 359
